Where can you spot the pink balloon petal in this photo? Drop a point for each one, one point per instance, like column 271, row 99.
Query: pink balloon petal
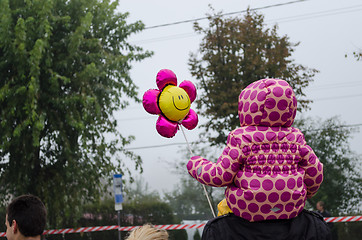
column 165, row 77
column 165, row 127
column 150, row 101
column 190, row 88
column 191, row 120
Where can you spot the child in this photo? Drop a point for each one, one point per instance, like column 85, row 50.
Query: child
column 266, row 165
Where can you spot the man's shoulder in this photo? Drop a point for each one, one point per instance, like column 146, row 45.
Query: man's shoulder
column 233, row 227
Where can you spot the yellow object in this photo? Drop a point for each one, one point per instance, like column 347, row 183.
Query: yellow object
column 223, row 208
column 174, row 103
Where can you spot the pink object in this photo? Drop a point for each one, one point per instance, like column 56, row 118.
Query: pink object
column 191, row 120
column 164, row 126
column 165, row 77
column 190, row 88
column 267, row 167
column 150, row 101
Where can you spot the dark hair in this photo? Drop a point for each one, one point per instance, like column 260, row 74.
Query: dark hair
column 29, row 213
column 321, row 203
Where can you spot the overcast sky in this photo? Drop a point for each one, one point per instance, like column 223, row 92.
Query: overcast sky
column 326, row 30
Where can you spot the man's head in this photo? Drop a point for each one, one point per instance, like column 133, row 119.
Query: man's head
column 320, row 206
column 25, row 215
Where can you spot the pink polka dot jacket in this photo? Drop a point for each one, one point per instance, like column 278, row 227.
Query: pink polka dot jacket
column 267, row 167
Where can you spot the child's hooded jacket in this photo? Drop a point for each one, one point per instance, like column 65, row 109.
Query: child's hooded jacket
column 268, row 168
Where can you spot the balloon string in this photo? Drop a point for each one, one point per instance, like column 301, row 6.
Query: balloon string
column 203, row 186
column 188, row 144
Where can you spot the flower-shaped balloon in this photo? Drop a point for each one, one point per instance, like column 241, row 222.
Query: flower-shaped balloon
column 171, row 103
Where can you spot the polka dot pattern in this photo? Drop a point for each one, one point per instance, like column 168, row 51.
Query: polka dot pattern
column 268, row 102
column 268, row 169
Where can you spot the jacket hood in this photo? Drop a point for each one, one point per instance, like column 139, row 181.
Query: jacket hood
column 267, row 102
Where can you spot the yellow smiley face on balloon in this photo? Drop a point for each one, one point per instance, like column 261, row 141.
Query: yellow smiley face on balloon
column 171, row 103
column 174, row 103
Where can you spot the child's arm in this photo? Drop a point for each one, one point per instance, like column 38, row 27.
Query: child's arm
column 221, row 173
column 313, row 170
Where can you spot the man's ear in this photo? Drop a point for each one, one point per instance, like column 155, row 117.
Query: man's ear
column 14, row 225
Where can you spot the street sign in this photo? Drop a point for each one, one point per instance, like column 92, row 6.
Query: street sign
column 117, row 187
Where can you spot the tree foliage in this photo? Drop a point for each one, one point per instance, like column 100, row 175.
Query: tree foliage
column 356, row 54
column 341, row 188
column 189, row 202
column 235, row 52
column 188, row 199
column 64, row 71
column 140, row 206
column 145, row 206
column 197, row 235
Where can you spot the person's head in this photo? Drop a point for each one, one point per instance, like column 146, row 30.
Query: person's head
column 320, row 206
column 26, row 216
column 267, row 102
column 148, row 232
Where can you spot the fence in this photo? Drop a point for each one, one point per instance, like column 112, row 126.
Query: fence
column 167, row 227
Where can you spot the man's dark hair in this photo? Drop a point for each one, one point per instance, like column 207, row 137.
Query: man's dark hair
column 29, row 213
column 321, row 203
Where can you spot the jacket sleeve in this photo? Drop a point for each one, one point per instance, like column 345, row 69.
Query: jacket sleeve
column 223, row 171
column 313, row 168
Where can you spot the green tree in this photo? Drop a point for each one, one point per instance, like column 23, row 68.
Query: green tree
column 146, row 206
column 197, row 235
column 356, row 54
column 188, row 199
column 139, row 192
column 136, row 211
column 234, row 53
column 341, row 188
column 64, row 71
column 189, row 202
